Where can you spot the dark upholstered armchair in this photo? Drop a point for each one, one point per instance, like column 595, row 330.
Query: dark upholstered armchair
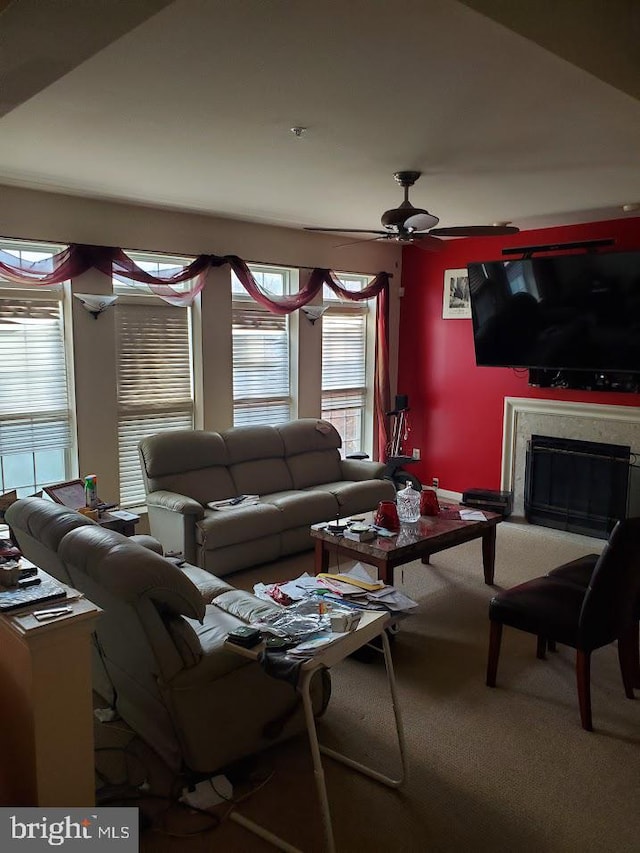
column 586, row 604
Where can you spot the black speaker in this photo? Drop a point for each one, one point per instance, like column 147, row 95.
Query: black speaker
column 501, row 502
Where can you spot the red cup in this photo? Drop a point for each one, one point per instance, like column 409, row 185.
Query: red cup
column 387, row 516
column 429, row 502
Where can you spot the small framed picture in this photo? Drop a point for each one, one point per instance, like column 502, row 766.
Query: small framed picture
column 69, row 494
column 456, row 303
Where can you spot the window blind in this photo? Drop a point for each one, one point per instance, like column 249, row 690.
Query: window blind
column 344, row 391
column 34, row 402
column 261, row 387
column 154, row 383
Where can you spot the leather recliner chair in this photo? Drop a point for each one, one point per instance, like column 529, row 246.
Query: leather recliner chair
column 161, row 636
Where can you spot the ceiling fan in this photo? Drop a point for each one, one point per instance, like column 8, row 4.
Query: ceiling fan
column 409, row 224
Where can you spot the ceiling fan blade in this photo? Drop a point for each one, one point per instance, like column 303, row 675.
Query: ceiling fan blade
column 475, row 231
column 426, row 241
column 347, row 230
column 360, row 242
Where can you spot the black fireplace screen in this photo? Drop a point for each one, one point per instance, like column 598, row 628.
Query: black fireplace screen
column 579, row 486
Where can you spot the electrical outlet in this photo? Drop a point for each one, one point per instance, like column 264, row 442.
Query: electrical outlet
column 416, row 453
column 435, row 482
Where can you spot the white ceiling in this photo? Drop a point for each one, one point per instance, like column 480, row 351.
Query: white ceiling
column 191, row 108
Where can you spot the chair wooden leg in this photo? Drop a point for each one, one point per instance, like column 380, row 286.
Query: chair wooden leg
column 495, row 637
column 627, row 656
column 541, row 648
column 583, row 677
column 636, row 653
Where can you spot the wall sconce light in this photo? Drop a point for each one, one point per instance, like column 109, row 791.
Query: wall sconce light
column 313, row 312
column 95, row 303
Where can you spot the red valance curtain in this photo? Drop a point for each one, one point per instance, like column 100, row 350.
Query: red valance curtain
column 77, row 258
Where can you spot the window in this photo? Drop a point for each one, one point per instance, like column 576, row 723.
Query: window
column 346, row 370
column 155, row 371
column 261, row 352
column 36, row 421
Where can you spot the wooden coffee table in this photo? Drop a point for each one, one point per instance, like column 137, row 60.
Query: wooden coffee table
column 416, row 541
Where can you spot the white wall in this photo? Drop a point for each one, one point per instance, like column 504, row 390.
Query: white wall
column 35, row 215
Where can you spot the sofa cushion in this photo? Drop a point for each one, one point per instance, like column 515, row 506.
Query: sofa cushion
column 261, row 476
column 308, row 434
column 301, row 508
column 215, row 661
column 246, row 606
column 256, row 460
column 252, row 442
column 204, row 485
column 35, row 516
column 313, row 467
column 218, row 529
column 188, row 462
column 358, row 497
column 174, row 451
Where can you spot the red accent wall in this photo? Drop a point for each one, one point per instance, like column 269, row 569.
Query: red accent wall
column 457, row 408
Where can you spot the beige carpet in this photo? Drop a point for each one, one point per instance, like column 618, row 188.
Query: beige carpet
column 508, row 769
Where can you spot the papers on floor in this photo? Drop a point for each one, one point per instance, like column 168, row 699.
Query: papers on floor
column 234, row 503
column 472, row 515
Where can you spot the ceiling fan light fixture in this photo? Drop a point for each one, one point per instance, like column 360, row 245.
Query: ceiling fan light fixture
column 421, row 220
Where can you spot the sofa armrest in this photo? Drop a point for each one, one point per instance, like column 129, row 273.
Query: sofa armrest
column 176, row 503
column 148, row 541
column 209, row 585
column 361, row 469
column 172, row 520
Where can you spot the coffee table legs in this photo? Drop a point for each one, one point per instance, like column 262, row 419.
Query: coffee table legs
column 321, row 557
column 489, row 553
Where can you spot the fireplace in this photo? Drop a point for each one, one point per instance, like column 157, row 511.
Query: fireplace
column 579, row 486
column 583, row 422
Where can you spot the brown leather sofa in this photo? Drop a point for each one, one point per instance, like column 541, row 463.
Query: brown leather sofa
column 160, row 641
column 295, row 469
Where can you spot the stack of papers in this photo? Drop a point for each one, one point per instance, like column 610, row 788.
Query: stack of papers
column 357, row 577
column 472, row 515
column 360, row 591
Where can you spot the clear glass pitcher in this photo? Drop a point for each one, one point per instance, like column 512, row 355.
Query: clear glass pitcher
column 408, row 501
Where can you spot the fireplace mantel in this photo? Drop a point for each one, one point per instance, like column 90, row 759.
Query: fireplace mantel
column 587, row 421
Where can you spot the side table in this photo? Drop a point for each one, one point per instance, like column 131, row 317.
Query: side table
column 126, row 525
column 372, row 624
column 46, row 710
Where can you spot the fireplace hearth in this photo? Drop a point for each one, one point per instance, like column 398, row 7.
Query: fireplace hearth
column 578, row 486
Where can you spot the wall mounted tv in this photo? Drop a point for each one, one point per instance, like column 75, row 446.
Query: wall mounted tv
column 568, row 312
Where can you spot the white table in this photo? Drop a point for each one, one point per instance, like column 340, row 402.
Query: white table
column 372, row 624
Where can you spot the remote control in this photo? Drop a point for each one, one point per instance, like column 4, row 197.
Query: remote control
column 29, row 582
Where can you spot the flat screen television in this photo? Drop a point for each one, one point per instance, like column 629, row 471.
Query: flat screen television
column 568, row 312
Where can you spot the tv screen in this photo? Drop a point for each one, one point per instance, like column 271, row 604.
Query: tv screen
column 569, row 312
